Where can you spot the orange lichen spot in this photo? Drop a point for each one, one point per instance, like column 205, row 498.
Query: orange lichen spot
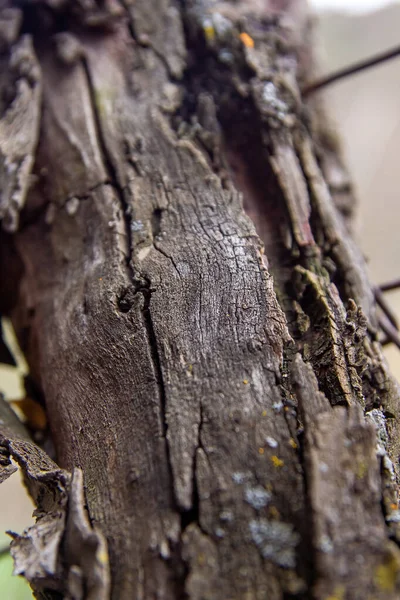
column 276, row 461
column 245, row 381
column 394, row 506
column 32, row 414
column 264, row 413
column 100, row 279
column 247, row 40
column 261, row 451
column 293, row 443
column 286, row 409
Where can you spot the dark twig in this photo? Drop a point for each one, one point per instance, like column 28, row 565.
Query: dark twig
column 4, row 550
column 391, row 285
column 391, row 334
column 356, row 68
column 381, row 302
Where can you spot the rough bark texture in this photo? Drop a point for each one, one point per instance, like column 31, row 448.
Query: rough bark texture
column 220, row 389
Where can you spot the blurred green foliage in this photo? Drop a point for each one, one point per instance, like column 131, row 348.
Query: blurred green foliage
column 12, row 587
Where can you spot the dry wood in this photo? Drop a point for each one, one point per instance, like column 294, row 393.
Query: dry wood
column 219, row 391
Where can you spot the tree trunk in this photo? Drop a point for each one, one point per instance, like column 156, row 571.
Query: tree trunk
column 217, row 394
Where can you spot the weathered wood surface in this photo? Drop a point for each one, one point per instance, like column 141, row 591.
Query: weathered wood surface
column 170, row 346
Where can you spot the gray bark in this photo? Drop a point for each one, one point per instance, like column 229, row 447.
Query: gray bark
column 182, row 278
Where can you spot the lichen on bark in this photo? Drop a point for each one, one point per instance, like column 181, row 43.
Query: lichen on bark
column 195, row 312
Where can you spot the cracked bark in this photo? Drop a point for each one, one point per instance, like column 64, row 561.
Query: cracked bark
column 219, row 391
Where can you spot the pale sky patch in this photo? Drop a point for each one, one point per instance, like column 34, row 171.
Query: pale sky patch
column 357, row 6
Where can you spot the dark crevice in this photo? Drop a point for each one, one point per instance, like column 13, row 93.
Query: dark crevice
column 186, row 516
column 39, row 19
column 148, row 322
column 140, row 283
column 44, row 18
column 156, row 222
column 6, row 355
column 193, row 515
column 110, row 169
column 190, row 516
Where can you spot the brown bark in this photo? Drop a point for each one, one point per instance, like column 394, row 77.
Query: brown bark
column 226, row 408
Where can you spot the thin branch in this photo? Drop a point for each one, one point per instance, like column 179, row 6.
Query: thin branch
column 384, row 306
column 391, row 285
column 390, row 332
column 356, row 68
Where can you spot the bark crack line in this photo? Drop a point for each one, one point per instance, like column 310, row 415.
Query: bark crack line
column 168, row 256
column 146, row 291
column 142, row 284
column 110, row 169
column 193, row 514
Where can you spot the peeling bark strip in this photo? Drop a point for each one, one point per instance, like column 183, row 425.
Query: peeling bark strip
column 216, row 463
column 60, row 552
column 20, row 91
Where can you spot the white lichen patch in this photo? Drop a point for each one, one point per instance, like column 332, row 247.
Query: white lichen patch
column 72, row 206
column 272, row 100
column 277, row 406
column 219, row 532
column 164, row 550
column 393, row 517
column 226, row 57
column 257, row 497
column 378, row 419
column 215, row 26
column 271, row 442
column 240, row 477
column 223, row 26
column 136, row 225
column 325, row 544
column 276, row 541
column 388, row 466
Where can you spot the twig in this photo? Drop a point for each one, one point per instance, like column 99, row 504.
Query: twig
column 381, row 302
column 390, row 332
column 391, row 285
column 356, row 68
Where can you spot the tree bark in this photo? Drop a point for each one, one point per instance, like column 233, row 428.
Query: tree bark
column 216, row 395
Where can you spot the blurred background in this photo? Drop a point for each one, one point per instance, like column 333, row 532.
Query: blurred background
column 366, row 110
